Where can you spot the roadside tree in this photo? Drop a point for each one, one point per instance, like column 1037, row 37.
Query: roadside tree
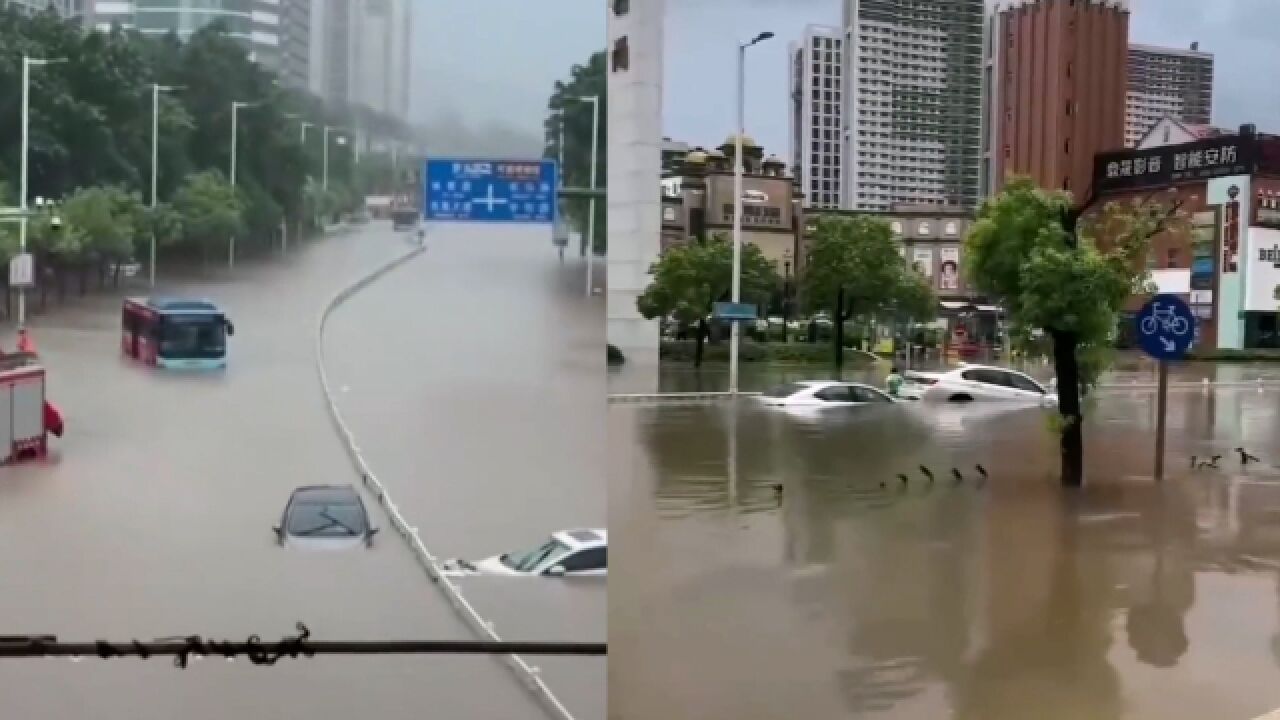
column 689, row 279
column 1029, row 250
column 854, row 270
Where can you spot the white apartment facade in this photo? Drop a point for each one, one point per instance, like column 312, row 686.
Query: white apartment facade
column 816, row 99
column 912, row 91
column 361, row 53
column 1167, row 81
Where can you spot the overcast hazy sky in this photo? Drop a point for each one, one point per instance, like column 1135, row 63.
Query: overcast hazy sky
column 489, row 65
column 700, row 59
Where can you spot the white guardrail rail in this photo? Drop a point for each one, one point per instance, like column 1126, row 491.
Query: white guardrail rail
column 528, row 675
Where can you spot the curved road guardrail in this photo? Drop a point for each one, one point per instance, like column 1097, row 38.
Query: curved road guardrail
column 527, row 674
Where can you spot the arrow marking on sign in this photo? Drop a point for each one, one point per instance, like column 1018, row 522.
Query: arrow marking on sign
column 1169, row 345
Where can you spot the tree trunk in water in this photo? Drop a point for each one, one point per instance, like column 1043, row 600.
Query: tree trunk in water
column 1067, row 367
column 837, row 331
column 115, row 277
column 697, row 346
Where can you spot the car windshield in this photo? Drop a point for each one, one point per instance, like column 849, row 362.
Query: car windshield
column 785, row 390
column 530, row 561
column 193, row 336
column 326, row 520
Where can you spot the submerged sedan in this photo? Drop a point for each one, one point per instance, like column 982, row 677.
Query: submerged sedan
column 824, row 393
column 324, row 517
column 968, row 383
column 568, row 553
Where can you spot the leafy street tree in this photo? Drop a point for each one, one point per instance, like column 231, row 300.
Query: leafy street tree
column 854, row 270
column 1028, row 250
column 212, row 212
column 689, row 279
column 568, row 109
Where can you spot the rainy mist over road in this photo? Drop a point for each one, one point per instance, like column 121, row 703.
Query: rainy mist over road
column 153, row 517
column 999, row 601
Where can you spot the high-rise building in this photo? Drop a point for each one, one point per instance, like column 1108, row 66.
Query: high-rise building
column 35, row 6
column 273, row 31
column 912, row 102
column 816, row 98
column 361, row 53
column 1167, row 81
column 1055, row 88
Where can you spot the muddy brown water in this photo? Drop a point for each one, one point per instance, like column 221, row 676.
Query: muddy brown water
column 153, row 518
column 1128, row 600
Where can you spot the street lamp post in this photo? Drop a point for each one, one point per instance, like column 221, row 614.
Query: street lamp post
column 156, row 89
column 591, row 203
column 27, row 64
column 736, row 292
column 325, row 154
column 235, row 138
column 786, row 292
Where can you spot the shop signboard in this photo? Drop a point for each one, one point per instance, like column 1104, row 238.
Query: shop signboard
column 1173, row 164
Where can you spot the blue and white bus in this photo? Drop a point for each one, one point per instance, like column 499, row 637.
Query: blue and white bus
column 175, row 333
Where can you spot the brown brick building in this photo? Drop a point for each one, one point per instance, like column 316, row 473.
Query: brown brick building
column 1056, row 86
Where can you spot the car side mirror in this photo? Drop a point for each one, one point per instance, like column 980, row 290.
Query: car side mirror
column 556, row 571
column 279, row 531
column 368, row 536
column 231, row 329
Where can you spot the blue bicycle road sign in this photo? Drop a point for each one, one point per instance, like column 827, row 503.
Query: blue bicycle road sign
column 1165, row 327
column 490, row 191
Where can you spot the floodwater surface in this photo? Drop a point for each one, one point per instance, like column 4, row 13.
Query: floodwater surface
column 777, row 566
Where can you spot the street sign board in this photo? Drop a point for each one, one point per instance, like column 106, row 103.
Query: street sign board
column 1166, row 327
column 22, row 270
column 735, row 312
column 474, row 190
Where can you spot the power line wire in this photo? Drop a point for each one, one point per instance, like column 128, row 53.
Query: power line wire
column 186, row 647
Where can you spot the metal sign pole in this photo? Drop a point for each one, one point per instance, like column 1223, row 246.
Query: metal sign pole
column 1162, row 396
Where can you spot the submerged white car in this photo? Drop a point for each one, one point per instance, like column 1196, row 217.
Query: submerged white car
column 825, row 393
column 568, row 553
column 983, row 382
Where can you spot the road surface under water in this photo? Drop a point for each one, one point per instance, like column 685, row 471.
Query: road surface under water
column 840, row 598
column 474, row 379
column 153, row 519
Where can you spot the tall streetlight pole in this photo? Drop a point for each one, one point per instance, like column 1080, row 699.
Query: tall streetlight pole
column 156, row 89
column 591, row 203
column 325, row 155
column 235, row 139
column 736, row 292
column 27, row 64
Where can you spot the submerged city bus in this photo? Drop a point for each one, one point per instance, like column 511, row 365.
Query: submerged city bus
column 175, row 333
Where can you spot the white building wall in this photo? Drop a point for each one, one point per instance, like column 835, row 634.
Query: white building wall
column 817, row 62
column 634, row 178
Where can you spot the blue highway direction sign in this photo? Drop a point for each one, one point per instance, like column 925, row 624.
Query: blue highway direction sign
column 490, row 191
column 1165, row 327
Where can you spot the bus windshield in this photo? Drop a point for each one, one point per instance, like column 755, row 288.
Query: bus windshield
column 193, row 336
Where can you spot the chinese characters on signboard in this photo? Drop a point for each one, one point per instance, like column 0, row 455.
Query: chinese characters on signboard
column 1201, row 160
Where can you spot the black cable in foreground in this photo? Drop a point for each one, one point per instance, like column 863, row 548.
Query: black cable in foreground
column 267, row 653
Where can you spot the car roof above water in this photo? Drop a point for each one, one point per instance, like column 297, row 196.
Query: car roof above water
column 326, row 494
column 583, row 537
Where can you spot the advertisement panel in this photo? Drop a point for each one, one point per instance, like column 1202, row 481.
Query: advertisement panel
column 1172, row 164
column 949, row 268
column 1231, row 195
column 766, row 202
column 922, row 260
column 1262, row 270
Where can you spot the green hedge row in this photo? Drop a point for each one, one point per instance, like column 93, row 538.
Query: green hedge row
column 682, row 351
column 1229, row 355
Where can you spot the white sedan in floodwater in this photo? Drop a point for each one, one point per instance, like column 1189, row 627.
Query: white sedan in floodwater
column 824, row 393
column 983, row 382
column 568, row 553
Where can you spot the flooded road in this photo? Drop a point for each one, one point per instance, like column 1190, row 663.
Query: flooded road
column 996, row 600
column 473, row 378
column 153, row 519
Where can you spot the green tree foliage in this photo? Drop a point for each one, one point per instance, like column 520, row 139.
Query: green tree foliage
column 104, row 219
column 855, row 270
column 1027, row 251
column 567, row 110
column 689, row 279
column 212, row 211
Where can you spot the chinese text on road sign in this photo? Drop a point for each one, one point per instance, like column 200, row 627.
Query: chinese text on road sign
column 496, row 191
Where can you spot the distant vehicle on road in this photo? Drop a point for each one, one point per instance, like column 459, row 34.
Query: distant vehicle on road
column 325, row 517
column 568, row 553
column 175, row 333
column 825, row 393
column 983, row 382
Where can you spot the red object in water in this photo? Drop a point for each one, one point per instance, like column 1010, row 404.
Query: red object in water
column 25, row 343
column 52, row 419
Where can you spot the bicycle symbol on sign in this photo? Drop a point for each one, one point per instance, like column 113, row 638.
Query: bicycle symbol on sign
column 1169, row 321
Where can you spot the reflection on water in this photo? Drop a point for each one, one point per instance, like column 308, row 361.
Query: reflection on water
column 849, row 593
